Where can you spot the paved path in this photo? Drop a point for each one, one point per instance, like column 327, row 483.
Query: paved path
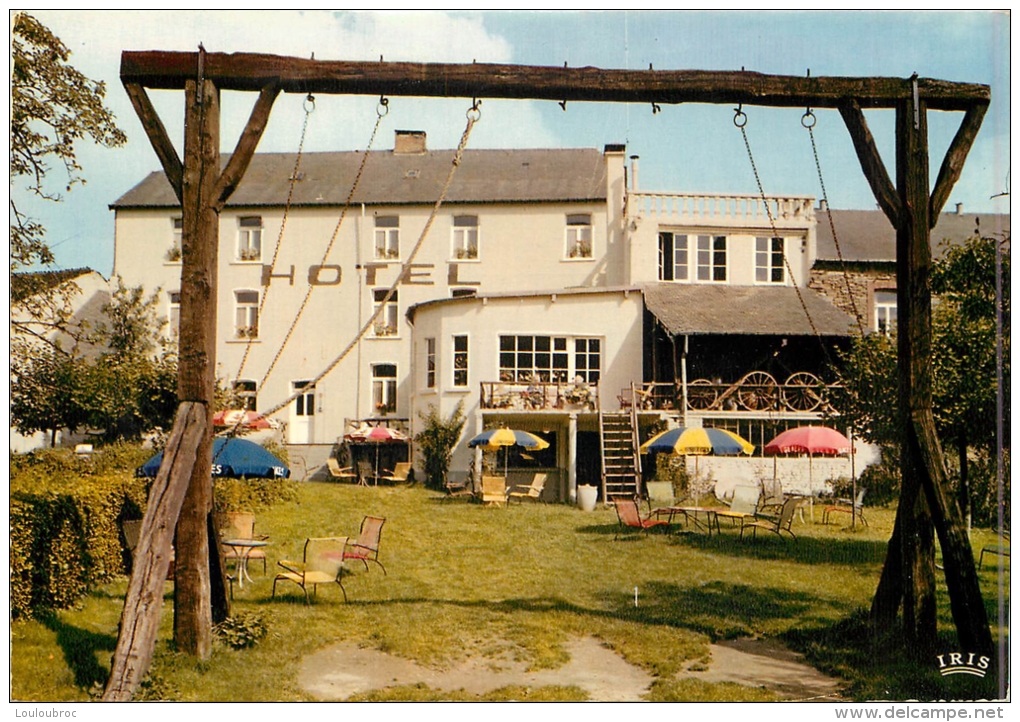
column 344, row 669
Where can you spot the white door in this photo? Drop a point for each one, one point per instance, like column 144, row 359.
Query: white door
column 301, row 429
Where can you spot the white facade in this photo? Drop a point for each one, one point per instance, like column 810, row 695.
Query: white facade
column 556, row 270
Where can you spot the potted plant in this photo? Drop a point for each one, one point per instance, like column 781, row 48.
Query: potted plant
column 173, row 255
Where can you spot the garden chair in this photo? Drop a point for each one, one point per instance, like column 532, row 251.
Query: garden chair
column 323, row 564
column 997, row 550
column 400, row 472
column 132, row 529
column 661, row 498
column 629, row 516
column 532, row 491
column 772, row 498
column 366, row 472
column 241, row 525
column 493, row 490
column 847, row 506
column 345, row 473
column 776, row 525
column 743, row 505
column 366, row 548
column 458, row 486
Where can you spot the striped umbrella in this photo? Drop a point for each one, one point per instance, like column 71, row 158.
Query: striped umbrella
column 494, row 439
column 697, row 441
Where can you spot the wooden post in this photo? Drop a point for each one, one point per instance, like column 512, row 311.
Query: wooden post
column 196, row 379
column 140, row 619
column 913, row 267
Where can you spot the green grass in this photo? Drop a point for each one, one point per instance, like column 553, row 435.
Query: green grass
column 466, row 580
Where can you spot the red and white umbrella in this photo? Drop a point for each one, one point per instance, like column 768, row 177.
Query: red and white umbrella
column 240, row 417
column 376, row 435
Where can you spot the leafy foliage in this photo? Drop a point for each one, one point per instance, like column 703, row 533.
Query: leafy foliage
column 243, row 630
column 436, row 443
column 53, row 106
column 126, row 390
column 64, row 524
column 963, row 364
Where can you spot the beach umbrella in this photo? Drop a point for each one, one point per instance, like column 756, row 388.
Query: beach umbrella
column 376, row 435
column 813, row 441
column 697, row 441
column 495, row 439
column 232, row 458
column 241, row 417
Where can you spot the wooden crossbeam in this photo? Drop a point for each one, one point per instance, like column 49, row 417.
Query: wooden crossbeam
column 253, row 71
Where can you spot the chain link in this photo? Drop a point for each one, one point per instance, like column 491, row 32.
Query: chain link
column 832, row 227
column 283, row 224
column 471, row 120
column 775, row 234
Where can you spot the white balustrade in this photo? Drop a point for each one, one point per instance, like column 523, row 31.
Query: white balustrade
column 721, row 208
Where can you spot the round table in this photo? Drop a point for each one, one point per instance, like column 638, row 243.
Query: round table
column 243, row 547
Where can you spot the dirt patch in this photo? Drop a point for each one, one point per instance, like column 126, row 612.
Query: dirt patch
column 769, row 664
column 344, row 669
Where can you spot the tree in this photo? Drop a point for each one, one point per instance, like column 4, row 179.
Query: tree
column 127, row 389
column 53, row 106
column 436, row 442
column 963, row 362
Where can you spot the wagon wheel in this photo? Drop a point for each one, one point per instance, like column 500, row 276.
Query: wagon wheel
column 801, row 392
column 758, row 391
column 701, row 394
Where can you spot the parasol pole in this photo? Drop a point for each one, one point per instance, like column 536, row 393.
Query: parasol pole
column 853, row 481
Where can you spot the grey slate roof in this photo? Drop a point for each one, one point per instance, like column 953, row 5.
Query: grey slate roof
column 399, row 179
column 702, row 309
column 867, row 236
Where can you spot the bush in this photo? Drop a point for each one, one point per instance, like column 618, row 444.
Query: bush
column 65, row 516
column 436, row 442
column 241, row 631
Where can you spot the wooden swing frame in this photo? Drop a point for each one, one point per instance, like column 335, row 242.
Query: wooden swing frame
column 181, row 498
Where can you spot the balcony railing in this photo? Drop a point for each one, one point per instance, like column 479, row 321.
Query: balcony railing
column 539, row 396
column 757, row 391
column 720, row 209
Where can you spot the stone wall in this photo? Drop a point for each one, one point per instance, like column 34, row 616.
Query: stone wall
column 833, row 285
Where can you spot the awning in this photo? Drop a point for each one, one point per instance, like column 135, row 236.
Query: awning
column 713, row 309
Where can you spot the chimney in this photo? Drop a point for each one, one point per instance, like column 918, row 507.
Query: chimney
column 633, row 173
column 823, row 205
column 959, row 209
column 409, row 142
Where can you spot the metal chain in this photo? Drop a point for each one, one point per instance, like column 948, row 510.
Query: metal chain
column 810, row 126
column 380, row 114
column 473, row 116
column 740, row 121
column 309, row 108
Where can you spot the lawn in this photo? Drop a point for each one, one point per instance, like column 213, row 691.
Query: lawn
column 467, row 580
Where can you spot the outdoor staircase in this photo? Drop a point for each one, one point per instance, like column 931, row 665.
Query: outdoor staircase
column 621, row 459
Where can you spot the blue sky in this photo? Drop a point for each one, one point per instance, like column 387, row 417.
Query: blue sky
column 682, row 148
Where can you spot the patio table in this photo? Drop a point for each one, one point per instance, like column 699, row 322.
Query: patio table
column 692, row 514
column 243, row 547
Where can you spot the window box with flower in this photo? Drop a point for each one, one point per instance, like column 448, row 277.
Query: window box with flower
column 384, row 329
column 173, row 254
column 249, row 254
column 247, row 331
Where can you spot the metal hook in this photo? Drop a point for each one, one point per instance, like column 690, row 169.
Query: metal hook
column 383, row 109
column 309, row 104
column 474, row 113
column 808, row 120
column 563, row 104
column 655, row 108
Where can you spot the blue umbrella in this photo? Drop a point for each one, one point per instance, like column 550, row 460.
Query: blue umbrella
column 232, row 458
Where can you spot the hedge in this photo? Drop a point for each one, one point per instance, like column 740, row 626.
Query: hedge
column 65, row 526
